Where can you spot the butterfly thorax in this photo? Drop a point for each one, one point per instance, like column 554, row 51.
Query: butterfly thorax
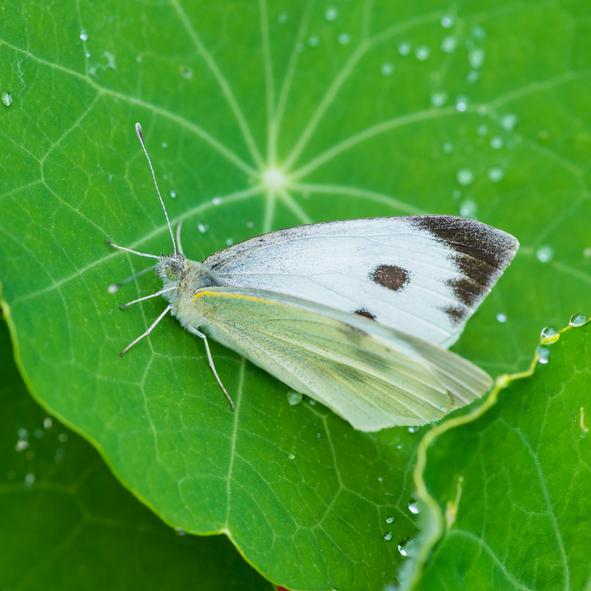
column 186, row 277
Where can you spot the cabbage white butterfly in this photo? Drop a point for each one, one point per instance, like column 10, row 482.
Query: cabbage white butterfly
column 356, row 314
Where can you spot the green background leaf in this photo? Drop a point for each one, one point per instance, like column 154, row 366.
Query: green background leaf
column 523, row 516
column 368, row 108
column 66, row 523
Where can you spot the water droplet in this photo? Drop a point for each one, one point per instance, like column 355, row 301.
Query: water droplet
column 110, row 57
column 545, row 254
column 509, row 121
column 447, row 21
column 313, row 41
column 543, row 354
column 461, row 104
column 402, row 547
column 173, row 193
column 438, row 99
column 502, row 318
column 180, row 532
column 465, row 177
column 331, row 13
column 344, row 38
column 449, row 44
column 202, row 228
column 22, row 433
column 578, row 320
column 413, row 507
column 388, row 536
column 412, row 429
column 389, row 519
column 186, row 72
column 62, row 437
column 495, row 174
column 6, row 99
column 468, row 209
column 83, row 35
column 318, row 435
column 404, row 48
column 294, row 398
column 21, row 445
column 47, row 422
column 422, row 53
column 386, row 69
column 476, row 57
column 472, row 76
column 448, row 147
column 250, row 224
column 482, row 129
column 282, row 18
column 478, row 32
column 587, row 252
column 29, row 479
column 38, row 433
column 391, row 587
column 456, row 194
column 291, row 456
column 549, row 335
column 496, row 143
column 216, row 201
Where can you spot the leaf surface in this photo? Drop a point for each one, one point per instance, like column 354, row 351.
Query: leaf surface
column 67, row 524
column 516, row 500
column 357, row 109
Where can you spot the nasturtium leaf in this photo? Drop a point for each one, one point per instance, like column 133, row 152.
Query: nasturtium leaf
column 262, row 115
column 67, row 524
column 519, row 492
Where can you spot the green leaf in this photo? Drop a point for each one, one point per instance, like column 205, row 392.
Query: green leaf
column 516, row 499
column 66, row 523
column 227, row 91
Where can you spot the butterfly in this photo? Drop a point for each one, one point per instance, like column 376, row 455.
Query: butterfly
column 356, row 314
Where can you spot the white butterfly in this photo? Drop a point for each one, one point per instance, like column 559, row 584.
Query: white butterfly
column 356, row 314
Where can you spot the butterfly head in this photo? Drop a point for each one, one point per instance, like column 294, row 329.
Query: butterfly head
column 173, row 268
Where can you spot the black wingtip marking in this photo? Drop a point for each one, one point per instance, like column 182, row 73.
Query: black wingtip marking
column 481, row 254
column 390, row 276
column 366, row 313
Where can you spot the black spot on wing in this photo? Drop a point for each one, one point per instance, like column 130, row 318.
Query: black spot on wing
column 366, row 313
column 455, row 313
column 481, row 253
column 390, row 276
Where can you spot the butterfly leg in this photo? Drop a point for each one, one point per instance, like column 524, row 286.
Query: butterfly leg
column 148, row 331
column 212, row 365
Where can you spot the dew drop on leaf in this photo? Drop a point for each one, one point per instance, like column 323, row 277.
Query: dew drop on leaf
column 404, row 48
column 83, row 35
column 461, row 104
column 402, row 547
column 495, row 174
column 422, row 53
column 449, row 44
column 549, row 335
column 468, row 209
column 6, row 99
column 509, row 121
column 387, row 69
column 294, row 398
column 438, row 99
column 344, row 38
column 502, row 318
column 465, row 177
column 413, row 507
column 388, row 536
column 543, row 354
column 476, row 57
column 389, row 519
column 578, row 320
column 545, row 254
column 496, row 143
column 447, row 21
column 29, row 479
column 331, row 14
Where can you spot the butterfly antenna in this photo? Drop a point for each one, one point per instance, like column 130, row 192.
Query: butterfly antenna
column 140, row 135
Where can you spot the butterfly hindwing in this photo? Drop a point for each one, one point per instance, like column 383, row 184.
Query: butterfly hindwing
column 372, row 376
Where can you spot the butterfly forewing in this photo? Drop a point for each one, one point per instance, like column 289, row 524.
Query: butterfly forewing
column 423, row 275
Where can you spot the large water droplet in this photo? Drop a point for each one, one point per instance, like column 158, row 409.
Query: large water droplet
column 465, row 177
column 403, row 547
column 502, row 318
column 543, row 354
column 545, row 254
column 6, row 99
column 413, row 507
column 578, row 320
column 549, row 335
column 294, row 398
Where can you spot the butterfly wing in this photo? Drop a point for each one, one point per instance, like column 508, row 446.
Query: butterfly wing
column 423, row 275
column 370, row 375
